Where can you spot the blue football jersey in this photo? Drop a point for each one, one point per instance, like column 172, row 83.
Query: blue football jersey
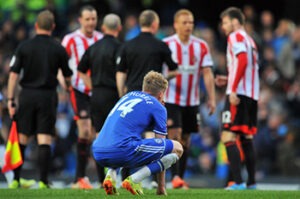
column 131, row 116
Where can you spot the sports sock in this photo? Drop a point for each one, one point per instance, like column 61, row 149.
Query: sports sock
column 83, row 149
column 175, row 169
column 100, row 172
column 141, row 174
column 125, row 172
column 17, row 171
column 247, row 145
column 234, row 158
column 112, row 173
column 183, row 161
column 155, row 167
column 44, row 161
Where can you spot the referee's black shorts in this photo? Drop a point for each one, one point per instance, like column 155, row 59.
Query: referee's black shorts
column 37, row 111
column 241, row 118
column 103, row 100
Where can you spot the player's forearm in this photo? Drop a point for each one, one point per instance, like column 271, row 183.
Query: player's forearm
column 86, row 79
column 172, row 74
column 68, row 82
column 209, row 83
column 120, row 79
column 61, row 80
column 12, row 83
column 161, row 181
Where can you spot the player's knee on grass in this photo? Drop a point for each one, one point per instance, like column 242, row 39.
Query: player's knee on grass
column 228, row 136
column 177, row 148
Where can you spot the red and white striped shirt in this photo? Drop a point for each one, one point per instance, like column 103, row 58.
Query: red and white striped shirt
column 239, row 41
column 183, row 90
column 76, row 44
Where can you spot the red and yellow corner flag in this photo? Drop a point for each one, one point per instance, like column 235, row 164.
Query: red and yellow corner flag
column 13, row 157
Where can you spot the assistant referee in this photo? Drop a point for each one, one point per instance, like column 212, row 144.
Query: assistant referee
column 39, row 60
column 142, row 54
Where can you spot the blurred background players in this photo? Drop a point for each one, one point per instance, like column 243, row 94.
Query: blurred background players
column 141, row 55
column 100, row 59
column 39, row 60
column 182, row 96
column 76, row 43
column 120, row 142
column 240, row 112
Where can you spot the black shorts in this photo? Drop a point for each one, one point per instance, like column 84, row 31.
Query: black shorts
column 102, row 101
column 241, row 118
column 37, row 111
column 81, row 104
column 183, row 117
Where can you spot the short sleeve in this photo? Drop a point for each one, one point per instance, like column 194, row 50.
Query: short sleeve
column 237, row 43
column 67, row 72
column 16, row 61
column 160, row 120
column 238, row 47
column 121, row 60
column 168, row 57
column 206, row 56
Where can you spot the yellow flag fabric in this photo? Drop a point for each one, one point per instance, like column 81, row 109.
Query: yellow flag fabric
column 13, row 157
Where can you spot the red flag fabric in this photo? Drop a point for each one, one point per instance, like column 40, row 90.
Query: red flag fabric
column 13, row 157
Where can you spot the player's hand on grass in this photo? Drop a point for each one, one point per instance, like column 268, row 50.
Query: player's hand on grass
column 161, row 191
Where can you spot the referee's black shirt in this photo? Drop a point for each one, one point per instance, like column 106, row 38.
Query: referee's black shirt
column 40, row 58
column 100, row 58
column 141, row 55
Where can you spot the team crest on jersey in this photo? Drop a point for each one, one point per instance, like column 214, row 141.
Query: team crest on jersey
column 158, row 141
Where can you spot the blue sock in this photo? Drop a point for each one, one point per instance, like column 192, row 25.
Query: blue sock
column 156, row 167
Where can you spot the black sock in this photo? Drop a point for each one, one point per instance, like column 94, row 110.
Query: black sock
column 247, row 145
column 234, row 159
column 100, row 172
column 125, row 172
column 17, row 170
column 175, row 169
column 183, row 161
column 44, row 162
column 83, row 149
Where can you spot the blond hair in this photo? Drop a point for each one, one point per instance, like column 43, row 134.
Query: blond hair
column 182, row 12
column 154, row 83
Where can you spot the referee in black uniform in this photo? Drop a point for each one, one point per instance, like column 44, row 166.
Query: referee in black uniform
column 100, row 59
column 142, row 54
column 39, row 59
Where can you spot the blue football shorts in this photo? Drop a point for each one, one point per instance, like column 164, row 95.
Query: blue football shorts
column 135, row 154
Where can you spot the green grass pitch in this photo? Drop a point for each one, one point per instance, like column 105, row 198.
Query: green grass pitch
column 184, row 194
